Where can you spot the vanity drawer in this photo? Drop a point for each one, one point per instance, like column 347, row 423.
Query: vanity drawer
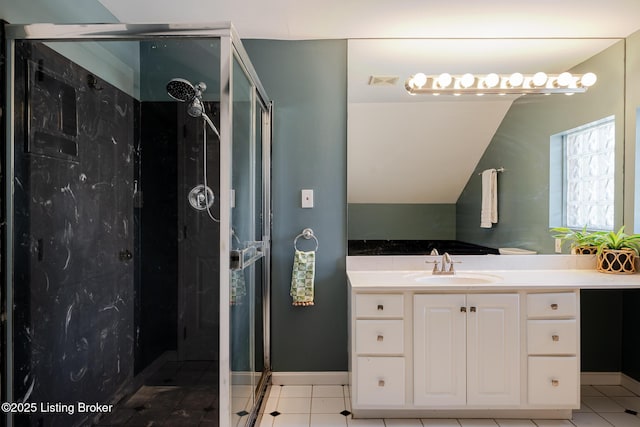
column 380, row 381
column 379, row 305
column 553, row 381
column 550, row 337
column 379, row 337
column 552, row 305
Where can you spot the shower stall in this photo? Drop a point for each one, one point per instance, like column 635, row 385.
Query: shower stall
column 136, row 238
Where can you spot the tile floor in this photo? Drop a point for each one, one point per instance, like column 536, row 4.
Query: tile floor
column 329, row 406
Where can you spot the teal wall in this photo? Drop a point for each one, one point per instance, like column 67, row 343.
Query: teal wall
column 58, row 12
column 401, row 221
column 521, row 146
column 307, row 81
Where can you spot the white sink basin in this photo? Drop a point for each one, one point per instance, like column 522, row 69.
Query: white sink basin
column 458, row 279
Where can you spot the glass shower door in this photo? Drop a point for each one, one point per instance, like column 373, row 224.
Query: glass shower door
column 248, row 235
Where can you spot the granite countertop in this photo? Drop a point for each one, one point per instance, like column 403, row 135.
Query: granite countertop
column 415, row 247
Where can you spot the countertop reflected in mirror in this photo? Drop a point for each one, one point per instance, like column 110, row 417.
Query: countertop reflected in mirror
column 416, row 247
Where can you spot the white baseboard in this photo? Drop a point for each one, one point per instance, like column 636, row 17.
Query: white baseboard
column 306, row 378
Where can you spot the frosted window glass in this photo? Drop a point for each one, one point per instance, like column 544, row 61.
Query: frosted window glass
column 589, row 166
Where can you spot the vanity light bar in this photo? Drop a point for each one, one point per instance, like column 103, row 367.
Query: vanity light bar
column 495, row 84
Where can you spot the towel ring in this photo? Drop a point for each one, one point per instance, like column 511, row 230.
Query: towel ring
column 307, row 233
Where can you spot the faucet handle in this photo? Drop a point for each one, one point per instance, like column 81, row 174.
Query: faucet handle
column 451, row 265
column 435, row 264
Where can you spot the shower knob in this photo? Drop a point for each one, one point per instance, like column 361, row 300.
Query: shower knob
column 201, row 197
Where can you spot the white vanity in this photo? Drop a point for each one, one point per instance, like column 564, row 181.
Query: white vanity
column 500, row 338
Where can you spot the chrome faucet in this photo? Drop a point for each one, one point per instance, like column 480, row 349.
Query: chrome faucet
column 446, row 266
column 446, row 260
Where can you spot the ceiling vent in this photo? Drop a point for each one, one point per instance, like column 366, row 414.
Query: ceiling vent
column 383, row 80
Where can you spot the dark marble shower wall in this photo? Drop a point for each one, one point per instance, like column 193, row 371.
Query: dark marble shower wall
column 74, row 235
column 157, row 215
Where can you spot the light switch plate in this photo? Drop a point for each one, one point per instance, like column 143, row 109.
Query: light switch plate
column 558, row 246
column 307, row 198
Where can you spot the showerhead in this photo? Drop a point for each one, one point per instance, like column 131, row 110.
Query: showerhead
column 181, row 90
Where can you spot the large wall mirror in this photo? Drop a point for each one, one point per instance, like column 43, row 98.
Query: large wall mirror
column 414, row 161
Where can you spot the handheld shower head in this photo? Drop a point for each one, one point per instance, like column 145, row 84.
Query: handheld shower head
column 195, row 108
column 181, row 90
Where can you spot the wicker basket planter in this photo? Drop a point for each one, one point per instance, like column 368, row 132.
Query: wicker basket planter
column 584, row 250
column 617, row 261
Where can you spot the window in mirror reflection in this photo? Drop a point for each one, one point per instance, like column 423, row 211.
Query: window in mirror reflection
column 589, row 166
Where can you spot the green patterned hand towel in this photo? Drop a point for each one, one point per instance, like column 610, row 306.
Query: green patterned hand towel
column 238, row 287
column 304, row 266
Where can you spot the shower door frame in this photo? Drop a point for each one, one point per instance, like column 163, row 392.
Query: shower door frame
column 230, row 47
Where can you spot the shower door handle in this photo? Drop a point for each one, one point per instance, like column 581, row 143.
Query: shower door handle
column 243, row 258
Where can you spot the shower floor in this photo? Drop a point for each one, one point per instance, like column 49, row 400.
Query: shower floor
column 181, row 394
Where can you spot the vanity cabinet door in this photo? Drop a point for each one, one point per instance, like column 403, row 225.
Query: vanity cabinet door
column 493, row 349
column 439, row 328
column 466, row 350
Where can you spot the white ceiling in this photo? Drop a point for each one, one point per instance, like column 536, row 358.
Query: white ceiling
column 407, row 19
column 312, row 19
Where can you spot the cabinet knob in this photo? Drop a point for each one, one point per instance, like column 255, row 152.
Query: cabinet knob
column 380, row 307
column 555, row 338
column 380, row 383
column 554, row 306
column 380, row 338
column 463, row 309
column 555, row 383
column 473, row 309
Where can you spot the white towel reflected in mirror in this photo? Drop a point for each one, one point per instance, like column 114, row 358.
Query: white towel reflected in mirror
column 489, row 209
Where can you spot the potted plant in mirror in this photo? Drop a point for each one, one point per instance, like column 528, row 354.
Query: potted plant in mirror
column 583, row 242
column 617, row 252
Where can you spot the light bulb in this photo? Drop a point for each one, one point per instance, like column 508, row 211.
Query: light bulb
column 419, row 80
column 539, row 79
column 492, row 80
column 516, row 79
column 588, row 80
column 467, row 80
column 564, row 79
column 444, row 80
